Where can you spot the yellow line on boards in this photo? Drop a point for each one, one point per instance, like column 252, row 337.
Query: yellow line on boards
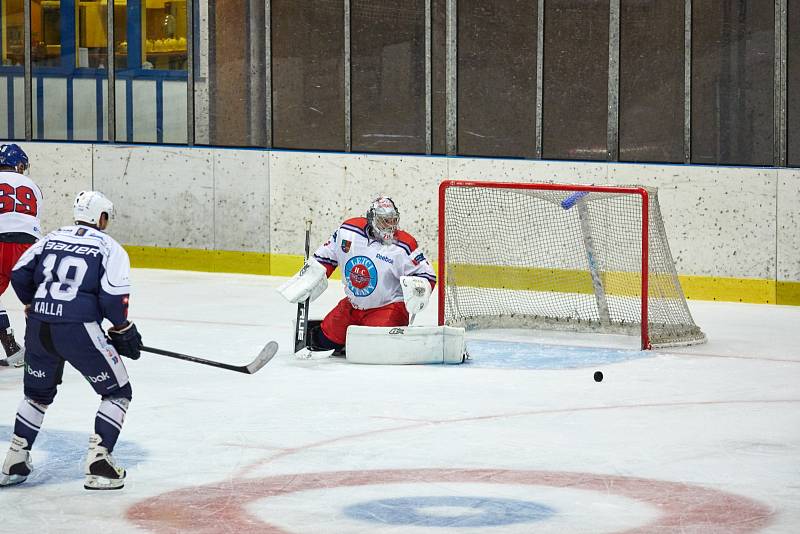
column 752, row 290
column 188, row 259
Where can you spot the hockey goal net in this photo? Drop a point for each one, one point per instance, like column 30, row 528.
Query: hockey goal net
column 556, row 256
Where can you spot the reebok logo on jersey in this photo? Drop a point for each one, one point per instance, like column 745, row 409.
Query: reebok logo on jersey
column 384, row 258
column 395, row 331
column 102, row 377
column 36, row 373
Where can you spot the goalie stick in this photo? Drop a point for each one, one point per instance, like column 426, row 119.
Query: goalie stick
column 301, row 324
column 266, row 354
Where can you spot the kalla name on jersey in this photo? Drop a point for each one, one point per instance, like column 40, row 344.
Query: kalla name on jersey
column 48, row 308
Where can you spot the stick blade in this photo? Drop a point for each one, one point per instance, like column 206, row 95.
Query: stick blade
column 266, row 354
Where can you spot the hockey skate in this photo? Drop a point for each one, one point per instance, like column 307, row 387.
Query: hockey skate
column 101, row 471
column 18, row 464
column 15, row 355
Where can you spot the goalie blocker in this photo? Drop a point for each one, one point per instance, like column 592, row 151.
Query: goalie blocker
column 402, row 345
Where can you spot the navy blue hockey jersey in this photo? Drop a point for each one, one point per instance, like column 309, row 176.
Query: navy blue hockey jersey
column 76, row 274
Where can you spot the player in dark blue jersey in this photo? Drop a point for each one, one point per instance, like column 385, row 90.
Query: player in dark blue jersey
column 71, row 281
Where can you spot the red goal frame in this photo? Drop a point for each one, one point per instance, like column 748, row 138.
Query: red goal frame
column 640, row 191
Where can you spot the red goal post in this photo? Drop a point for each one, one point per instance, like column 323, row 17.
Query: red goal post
column 559, row 256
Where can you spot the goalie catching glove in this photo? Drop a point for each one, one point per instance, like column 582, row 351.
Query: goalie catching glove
column 126, row 340
column 309, row 283
column 416, row 293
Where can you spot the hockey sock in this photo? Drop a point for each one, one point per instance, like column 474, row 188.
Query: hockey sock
column 10, row 345
column 109, row 419
column 5, row 324
column 320, row 342
column 30, row 415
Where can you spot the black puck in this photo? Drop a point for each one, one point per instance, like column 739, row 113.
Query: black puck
column 598, row 376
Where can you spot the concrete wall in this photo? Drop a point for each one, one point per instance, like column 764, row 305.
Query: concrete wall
column 788, row 225
column 60, row 171
column 163, row 196
column 195, row 198
column 741, row 223
column 327, row 188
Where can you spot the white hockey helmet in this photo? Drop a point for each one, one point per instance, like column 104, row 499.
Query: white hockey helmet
column 90, row 205
column 384, row 218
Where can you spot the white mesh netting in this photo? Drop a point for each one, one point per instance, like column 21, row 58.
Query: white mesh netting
column 521, row 258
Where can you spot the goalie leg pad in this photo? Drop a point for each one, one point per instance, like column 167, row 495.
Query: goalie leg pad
column 405, row 345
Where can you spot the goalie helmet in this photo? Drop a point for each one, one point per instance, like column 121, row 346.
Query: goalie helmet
column 12, row 155
column 90, row 205
column 383, row 218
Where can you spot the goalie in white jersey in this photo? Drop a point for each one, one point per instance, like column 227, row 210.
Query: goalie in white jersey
column 20, row 203
column 386, row 276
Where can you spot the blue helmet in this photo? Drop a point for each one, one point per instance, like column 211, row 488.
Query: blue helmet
column 12, row 155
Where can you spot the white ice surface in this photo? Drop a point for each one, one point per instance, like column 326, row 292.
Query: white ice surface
column 698, row 439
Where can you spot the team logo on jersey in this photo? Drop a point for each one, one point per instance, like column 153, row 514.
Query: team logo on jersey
column 361, row 276
column 346, row 245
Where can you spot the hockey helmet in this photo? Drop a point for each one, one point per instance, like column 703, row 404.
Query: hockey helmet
column 12, row 155
column 383, row 218
column 90, row 205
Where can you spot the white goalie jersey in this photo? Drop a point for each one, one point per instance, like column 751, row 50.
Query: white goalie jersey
column 371, row 269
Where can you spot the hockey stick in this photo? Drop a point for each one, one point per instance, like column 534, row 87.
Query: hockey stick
column 301, row 324
column 266, row 354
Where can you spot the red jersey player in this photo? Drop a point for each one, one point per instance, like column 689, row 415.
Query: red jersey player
column 20, row 202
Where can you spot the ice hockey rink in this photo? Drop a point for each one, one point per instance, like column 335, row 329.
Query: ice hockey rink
column 519, row 439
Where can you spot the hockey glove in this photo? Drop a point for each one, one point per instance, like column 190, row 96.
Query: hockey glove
column 309, row 283
column 126, row 340
column 416, row 293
